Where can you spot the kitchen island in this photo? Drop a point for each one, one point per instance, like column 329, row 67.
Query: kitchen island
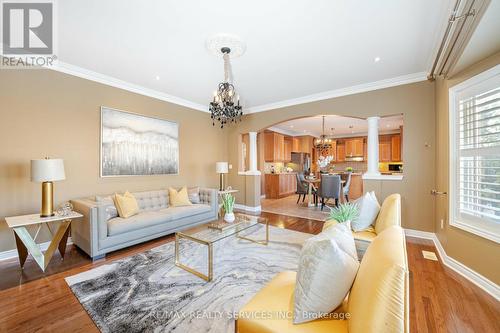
column 280, row 185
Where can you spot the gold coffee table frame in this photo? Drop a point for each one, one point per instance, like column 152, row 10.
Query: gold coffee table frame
column 213, row 236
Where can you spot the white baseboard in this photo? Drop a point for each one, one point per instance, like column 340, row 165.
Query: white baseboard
column 9, row 254
column 248, row 208
column 482, row 282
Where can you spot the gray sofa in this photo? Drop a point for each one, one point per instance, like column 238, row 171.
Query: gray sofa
column 102, row 231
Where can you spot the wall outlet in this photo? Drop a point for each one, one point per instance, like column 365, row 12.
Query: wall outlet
column 442, row 223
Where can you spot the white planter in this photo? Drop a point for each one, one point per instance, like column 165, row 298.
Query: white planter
column 229, row 217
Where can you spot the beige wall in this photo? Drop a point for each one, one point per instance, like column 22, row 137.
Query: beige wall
column 416, row 103
column 46, row 113
column 473, row 251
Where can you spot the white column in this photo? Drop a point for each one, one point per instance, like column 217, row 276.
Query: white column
column 373, row 146
column 253, row 154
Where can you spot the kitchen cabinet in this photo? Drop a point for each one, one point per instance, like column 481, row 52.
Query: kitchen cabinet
column 341, row 152
column 384, row 151
column 288, row 149
column 356, row 187
column 274, row 147
column 279, row 185
column 354, row 147
column 296, row 145
column 396, row 148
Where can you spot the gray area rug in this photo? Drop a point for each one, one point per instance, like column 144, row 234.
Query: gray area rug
column 148, row 293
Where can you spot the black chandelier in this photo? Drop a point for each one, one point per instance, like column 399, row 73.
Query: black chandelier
column 223, row 107
column 323, row 143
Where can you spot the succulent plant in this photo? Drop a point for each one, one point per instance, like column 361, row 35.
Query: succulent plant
column 228, row 202
column 345, row 212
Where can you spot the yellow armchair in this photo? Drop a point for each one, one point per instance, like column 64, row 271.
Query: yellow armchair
column 377, row 302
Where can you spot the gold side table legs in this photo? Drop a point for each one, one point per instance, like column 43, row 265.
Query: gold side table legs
column 210, row 275
column 27, row 245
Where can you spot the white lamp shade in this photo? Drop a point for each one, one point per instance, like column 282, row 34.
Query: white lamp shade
column 221, row 167
column 47, row 170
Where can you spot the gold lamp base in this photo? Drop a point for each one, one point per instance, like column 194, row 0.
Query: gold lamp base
column 47, row 199
column 221, row 185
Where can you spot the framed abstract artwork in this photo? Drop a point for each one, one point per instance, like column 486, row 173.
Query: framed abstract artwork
column 137, row 145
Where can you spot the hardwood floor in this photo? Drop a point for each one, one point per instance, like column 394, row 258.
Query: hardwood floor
column 440, row 300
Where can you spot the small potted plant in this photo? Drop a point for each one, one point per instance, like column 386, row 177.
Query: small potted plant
column 349, row 169
column 228, row 205
column 345, row 213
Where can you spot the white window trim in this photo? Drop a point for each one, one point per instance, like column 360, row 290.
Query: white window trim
column 482, row 229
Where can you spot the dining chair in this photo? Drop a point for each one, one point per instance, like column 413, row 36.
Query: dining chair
column 329, row 189
column 347, row 185
column 302, row 186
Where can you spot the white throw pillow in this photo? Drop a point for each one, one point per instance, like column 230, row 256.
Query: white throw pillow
column 327, row 267
column 368, row 210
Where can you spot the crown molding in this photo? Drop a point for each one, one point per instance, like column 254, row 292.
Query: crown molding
column 360, row 88
column 117, row 83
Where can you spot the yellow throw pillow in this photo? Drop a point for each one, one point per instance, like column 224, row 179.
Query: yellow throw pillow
column 126, row 205
column 179, row 198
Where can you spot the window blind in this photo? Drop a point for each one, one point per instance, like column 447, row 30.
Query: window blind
column 479, row 156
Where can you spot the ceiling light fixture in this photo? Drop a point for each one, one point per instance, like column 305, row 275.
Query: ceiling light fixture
column 225, row 106
column 377, row 59
column 157, row 78
column 323, row 142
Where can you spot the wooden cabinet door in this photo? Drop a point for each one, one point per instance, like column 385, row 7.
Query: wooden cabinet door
column 281, row 147
column 396, row 148
column 288, row 150
column 333, row 151
column 384, row 151
column 358, row 147
column 296, row 145
column 269, row 147
column 349, row 148
column 340, row 153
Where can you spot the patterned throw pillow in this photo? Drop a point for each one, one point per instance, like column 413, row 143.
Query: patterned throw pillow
column 111, row 211
column 327, row 267
column 194, row 195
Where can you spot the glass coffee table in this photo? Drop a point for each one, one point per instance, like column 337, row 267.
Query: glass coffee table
column 205, row 235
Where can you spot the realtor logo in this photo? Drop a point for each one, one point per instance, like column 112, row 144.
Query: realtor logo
column 28, row 34
column 27, row 28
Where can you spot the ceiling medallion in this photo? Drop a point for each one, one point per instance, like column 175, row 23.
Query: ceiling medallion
column 225, row 106
column 323, row 143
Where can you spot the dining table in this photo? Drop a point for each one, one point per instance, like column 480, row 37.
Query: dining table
column 311, row 182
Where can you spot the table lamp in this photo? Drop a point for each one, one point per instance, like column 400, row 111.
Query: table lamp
column 221, row 168
column 46, row 171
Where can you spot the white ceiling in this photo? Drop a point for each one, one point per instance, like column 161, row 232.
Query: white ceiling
column 485, row 40
column 336, row 126
column 294, row 48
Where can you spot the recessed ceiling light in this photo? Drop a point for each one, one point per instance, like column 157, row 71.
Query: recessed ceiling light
column 157, row 78
column 377, row 59
column 291, row 126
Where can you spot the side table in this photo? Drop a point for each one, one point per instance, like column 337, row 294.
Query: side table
column 26, row 244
